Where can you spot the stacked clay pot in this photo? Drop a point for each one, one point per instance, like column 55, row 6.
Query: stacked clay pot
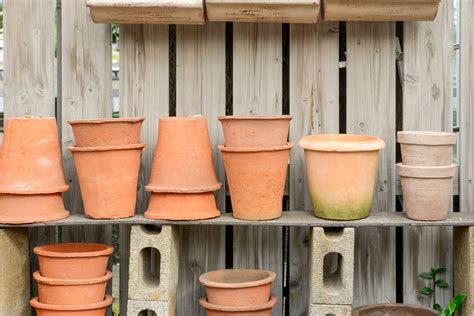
column 31, row 172
column 72, row 279
column 183, row 179
column 107, row 159
column 255, row 155
column 426, row 173
column 238, row 292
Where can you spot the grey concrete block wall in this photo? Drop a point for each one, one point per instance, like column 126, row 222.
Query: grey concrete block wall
column 329, row 310
column 161, row 308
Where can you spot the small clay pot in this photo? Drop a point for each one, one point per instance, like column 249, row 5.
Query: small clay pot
column 255, row 131
column 394, row 310
column 238, row 287
column 256, row 179
column 341, row 172
column 426, row 148
column 255, row 310
column 426, row 191
column 70, row 291
column 183, row 160
column 182, row 206
column 108, row 178
column 107, row 132
column 77, row 261
column 94, row 309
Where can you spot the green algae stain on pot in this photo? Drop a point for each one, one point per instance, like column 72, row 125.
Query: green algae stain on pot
column 343, row 210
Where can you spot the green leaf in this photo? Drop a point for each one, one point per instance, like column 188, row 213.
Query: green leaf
column 437, row 307
column 442, row 283
column 426, row 291
column 426, row 275
column 452, row 307
column 438, row 270
column 446, row 312
column 458, row 299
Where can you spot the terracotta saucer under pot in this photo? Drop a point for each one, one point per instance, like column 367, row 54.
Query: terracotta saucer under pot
column 94, row 309
column 255, row 310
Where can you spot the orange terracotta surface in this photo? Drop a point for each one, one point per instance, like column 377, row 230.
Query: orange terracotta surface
column 257, row 310
column 256, row 179
column 30, row 159
column 255, row 131
column 420, row 148
column 108, row 178
column 107, row 132
column 183, row 160
column 73, row 260
column 182, row 206
column 95, row 309
column 238, row 287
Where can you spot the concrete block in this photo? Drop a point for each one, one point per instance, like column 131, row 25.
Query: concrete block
column 329, row 310
column 331, row 266
column 140, row 308
column 463, row 254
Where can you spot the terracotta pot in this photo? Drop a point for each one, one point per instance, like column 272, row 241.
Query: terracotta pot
column 182, row 206
column 426, row 148
column 394, row 310
column 108, row 177
column 73, row 260
column 256, row 179
column 256, row 310
column 255, row 131
column 238, row 287
column 183, row 160
column 426, row 191
column 94, row 309
column 107, row 132
column 70, row 291
column 341, row 172
column 30, row 159
column 30, row 208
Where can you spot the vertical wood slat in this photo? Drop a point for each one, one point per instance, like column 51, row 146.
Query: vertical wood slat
column 371, row 110
column 427, row 105
column 314, row 104
column 257, row 90
column 200, row 89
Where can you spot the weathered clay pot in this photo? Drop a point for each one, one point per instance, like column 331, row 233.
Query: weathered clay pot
column 256, row 179
column 341, row 172
column 238, row 287
column 183, row 160
column 107, row 132
column 77, row 261
column 70, row 291
column 393, row 310
column 426, row 148
column 94, row 309
column 255, row 310
column 108, row 177
column 255, row 131
column 182, row 206
column 426, row 191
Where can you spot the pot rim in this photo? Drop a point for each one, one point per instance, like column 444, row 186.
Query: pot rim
column 366, row 307
column 204, row 279
column 106, row 148
column 426, row 138
column 155, row 189
column 37, row 304
column 107, row 120
column 204, row 303
column 427, row 172
column 46, row 251
column 341, row 143
column 183, row 118
column 55, row 190
column 65, row 282
column 224, row 148
column 254, row 117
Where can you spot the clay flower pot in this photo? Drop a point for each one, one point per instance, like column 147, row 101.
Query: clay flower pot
column 94, row 309
column 238, row 287
column 252, row 310
column 182, row 206
column 77, row 261
column 70, row 291
column 394, row 310
column 426, row 191
column 107, row 132
column 183, row 160
column 256, row 180
column 341, row 172
column 426, row 148
column 255, row 131
column 108, row 177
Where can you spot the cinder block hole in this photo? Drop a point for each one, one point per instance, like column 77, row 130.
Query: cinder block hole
column 332, row 272
column 150, row 262
column 147, row 312
column 152, row 229
column 333, row 232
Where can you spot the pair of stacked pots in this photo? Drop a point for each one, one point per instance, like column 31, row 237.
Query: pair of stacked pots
column 426, row 173
column 183, row 179
column 107, row 159
column 72, row 279
column 238, row 292
column 255, row 155
column 31, row 173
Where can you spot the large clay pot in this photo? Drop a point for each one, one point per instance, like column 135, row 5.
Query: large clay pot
column 341, row 172
column 94, row 309
column 255, row 131
column 394, row 310
column 426, row 148
column 107, row 132
column 108, row 178
column 426, row 191
column 70, row 291
column 238, row 287
column 255, row 310
column 256, row 179
column 182, row 206
column 76, row 261
column 183, row 160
